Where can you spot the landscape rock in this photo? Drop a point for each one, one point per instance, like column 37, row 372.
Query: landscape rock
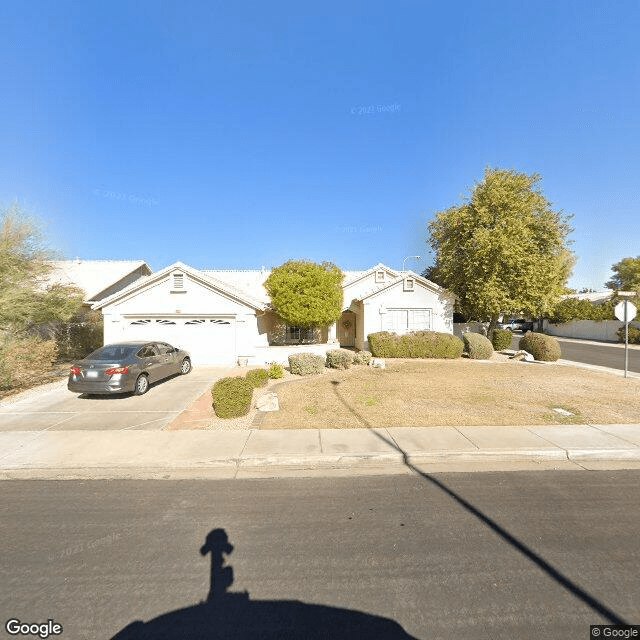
column 268, row 402
column 522, row 355
column 378, row 363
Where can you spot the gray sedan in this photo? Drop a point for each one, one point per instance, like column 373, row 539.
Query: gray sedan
column 127, row 366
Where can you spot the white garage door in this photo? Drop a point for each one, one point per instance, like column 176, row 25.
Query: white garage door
column 209, row 340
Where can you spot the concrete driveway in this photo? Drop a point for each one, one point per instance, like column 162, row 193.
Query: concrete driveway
column 55, row 408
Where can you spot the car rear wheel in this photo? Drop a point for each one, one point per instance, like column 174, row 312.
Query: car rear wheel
column 142, row 385
column 186, row 366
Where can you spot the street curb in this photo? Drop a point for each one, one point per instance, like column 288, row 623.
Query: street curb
column 367, row 464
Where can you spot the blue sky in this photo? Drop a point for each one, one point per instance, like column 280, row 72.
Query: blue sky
column 236, row 135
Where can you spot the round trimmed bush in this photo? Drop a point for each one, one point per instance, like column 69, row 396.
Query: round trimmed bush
column 362, row 357
column 257, row 377
column 540, row 346
column 501, row 339
column 306, row 364
column 232, row 397
column 477, row 346
column 339, row 358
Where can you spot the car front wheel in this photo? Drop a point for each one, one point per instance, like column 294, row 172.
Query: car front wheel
column 186, row 366
column 142, row 385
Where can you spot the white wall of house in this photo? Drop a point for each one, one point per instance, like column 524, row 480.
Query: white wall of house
column 367, row 284
column 400, row 311
column 605, row 330
column 211, row 325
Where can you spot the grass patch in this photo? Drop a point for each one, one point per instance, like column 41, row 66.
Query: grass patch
column 455, row 393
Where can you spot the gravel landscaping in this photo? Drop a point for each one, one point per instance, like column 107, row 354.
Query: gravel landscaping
column 455, row 393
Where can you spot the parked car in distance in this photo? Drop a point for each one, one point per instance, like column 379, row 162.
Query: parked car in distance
column 517, row 325
column 126, row 367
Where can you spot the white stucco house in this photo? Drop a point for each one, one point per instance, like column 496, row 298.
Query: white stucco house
column 222, row 316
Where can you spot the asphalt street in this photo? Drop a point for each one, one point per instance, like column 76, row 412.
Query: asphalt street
column 487, row 555
column 602, row 355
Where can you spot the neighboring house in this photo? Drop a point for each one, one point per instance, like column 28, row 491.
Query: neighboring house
column 98, row 279
column 221, row 316
column 596, row 297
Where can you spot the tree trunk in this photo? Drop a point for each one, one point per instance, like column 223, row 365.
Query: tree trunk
column 493, row 323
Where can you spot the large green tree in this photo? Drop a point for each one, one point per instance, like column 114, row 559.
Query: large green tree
column 306, row 294
column 25, row 261
column 503, row 250
column 626, row 275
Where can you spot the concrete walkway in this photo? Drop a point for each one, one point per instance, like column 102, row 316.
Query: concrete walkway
column 311, row 452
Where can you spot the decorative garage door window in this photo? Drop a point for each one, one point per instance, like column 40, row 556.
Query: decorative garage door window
column 202, row 321
column 405, row 320
column 148, row 322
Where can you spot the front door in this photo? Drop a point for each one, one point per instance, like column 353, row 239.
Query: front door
column 347, row 329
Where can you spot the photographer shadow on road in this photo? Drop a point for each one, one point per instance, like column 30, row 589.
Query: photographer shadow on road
column 236, row 616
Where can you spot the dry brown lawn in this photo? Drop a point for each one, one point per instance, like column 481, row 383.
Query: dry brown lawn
column 454, row 392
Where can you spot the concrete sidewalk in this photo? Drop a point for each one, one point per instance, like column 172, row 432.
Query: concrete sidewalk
column 311, row 452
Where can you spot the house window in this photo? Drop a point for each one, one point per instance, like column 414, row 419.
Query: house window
column 379, row 276
column 300, row 334
column 409, row 284
column 405, row 320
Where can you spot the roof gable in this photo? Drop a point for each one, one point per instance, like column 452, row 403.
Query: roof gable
column 419, row 280
column 93, row 276
column 202, row 278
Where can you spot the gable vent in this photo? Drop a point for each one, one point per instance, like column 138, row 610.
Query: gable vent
column 178, row 280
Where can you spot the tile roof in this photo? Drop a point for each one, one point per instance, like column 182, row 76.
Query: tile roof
column 252, row 281
column 92, row 276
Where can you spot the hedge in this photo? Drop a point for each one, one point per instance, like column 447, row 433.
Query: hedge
column 540, row 346
column 634, row 335
column 305, row 364
column 232, row 397
column 501, row 339
column 477, row 346
column 257, row 377
column 339, row 358
column 418, row 344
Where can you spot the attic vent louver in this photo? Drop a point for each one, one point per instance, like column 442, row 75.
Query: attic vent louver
column 178, row 281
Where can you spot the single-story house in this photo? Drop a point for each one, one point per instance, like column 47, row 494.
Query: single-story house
column 222, row 316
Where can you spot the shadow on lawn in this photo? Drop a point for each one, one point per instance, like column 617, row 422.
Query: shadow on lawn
column 235, row 616
column 551, row 571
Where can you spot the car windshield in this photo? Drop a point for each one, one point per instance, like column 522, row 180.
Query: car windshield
column 112, row 352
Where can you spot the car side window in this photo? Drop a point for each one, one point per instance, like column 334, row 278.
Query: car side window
column 147, row 351
column 164, row 348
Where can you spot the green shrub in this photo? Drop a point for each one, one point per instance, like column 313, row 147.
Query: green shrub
column 80, row 336
column 362, row 357
column 477, row 346
column 26, row 361
column 571, row 309
column 339, row 358
column 257, row 377
column 305, row 364
column 232, row 397
column 418, row 344
column 634, row 335
column 540, row 346
column 276, row 371
column 501, row 339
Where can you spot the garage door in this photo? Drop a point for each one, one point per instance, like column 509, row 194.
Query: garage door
column 209, row 340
